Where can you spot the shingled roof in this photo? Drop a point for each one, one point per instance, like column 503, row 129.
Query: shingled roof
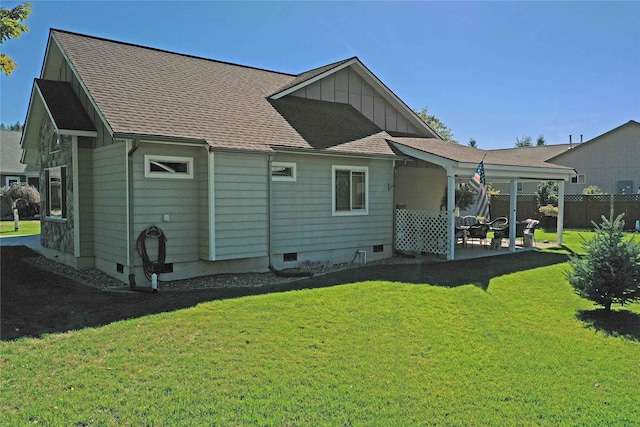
column 64, row 105
column 151, row 92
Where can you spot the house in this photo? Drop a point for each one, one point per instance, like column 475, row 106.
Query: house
column 240, row 168
column 609, row 161
column 11, row 170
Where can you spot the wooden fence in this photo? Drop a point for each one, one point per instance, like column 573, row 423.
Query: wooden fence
column 579, row 210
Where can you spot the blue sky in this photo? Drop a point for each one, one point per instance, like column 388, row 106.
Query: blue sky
column 492, row 71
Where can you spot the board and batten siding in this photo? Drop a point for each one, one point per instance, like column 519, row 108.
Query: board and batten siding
column 241, row 206
column 172, row 205
column 302, row 216
column 109, row 194
column 348, row 87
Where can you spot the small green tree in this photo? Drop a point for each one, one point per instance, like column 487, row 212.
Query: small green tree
column 609, row 273
column 547, row 193
column 524, row 142
column 592, row 190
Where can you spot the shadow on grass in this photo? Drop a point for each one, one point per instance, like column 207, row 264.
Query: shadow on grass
column 34, row 302
column 476, row 271
column 619, row 323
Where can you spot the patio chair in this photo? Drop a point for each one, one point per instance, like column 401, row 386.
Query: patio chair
column 478, row 231
column 526, row 227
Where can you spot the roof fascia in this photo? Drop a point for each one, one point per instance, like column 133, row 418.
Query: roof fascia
column 82, row 85
column 313, row 79
column 460, row 170
column 280, row 149
column 26, row 132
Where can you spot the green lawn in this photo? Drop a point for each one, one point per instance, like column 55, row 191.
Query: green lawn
column 26, row 228
column 366, row 354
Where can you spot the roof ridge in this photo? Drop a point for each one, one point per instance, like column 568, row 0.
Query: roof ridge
column 51, row 30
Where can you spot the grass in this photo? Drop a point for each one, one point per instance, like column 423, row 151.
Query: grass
column 526, row 352
column 26, row 228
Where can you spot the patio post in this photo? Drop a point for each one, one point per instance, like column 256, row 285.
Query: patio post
column 560, row 225
column 451, row 205
column 513, row 205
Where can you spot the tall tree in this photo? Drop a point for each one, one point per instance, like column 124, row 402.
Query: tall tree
column 436, row 124
column 540, row 141
column 11, row 27
column 473, row 143
column 524, row 142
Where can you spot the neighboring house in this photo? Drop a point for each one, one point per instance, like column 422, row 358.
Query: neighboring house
column 542, row 153
column 241, row 168
column 610, row 161
column 11, row 170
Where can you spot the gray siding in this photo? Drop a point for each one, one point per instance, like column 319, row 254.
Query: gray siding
column 109, row 191
column 241, row 206
column 85, row 182
column 153, row 198
column 302, row 210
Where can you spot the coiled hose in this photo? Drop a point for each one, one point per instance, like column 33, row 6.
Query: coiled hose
column 152, row 266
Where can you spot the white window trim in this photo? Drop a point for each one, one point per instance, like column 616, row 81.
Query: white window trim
column 150, row 158
column 578, row 182
column 8, row 180
column 62, row 216
column 520, row 186
column 364, row 211
column 284, row 165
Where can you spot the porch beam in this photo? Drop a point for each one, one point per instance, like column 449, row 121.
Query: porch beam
column 451, row 205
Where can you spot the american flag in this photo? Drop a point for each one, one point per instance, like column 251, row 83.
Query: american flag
column 479, row 183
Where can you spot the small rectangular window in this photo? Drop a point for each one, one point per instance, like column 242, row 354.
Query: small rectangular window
column 57, row 192
column 579, row 179
column 378, row 248
column 350, row 190
column 520, row 186
column 283, row 171
column 168, row 167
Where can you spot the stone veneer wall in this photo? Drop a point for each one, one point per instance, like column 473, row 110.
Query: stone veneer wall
column 56, row 233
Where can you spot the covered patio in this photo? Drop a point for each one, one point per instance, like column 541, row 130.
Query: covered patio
column 428, row 225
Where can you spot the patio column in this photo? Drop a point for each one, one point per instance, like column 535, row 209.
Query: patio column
column 513, row 205
column 560, row 225
column 451, row 205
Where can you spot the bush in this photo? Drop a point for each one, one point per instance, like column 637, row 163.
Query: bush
column 610, row 270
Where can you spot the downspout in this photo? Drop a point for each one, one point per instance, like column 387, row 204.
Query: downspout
column 132, row 241
column 269, row 226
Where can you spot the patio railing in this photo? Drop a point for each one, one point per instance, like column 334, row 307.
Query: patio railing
column 421, row 231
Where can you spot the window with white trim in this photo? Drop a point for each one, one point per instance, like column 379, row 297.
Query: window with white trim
column 579, row 179
column 520, row 186
column 57, row 192
column 350, row 190
column 281, row 171
column 168, row 167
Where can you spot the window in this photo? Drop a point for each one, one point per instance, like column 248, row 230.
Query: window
column 168, row 167
column 520, row 186
column 579, row 179
column 57, row 192
column 350, row 190
column 283, row 171
column 12, row 180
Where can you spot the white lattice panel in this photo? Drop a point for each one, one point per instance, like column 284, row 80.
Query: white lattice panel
column 421, row 231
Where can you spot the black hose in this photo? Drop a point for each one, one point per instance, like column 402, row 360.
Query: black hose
column 290, row 273
column 152, row 266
